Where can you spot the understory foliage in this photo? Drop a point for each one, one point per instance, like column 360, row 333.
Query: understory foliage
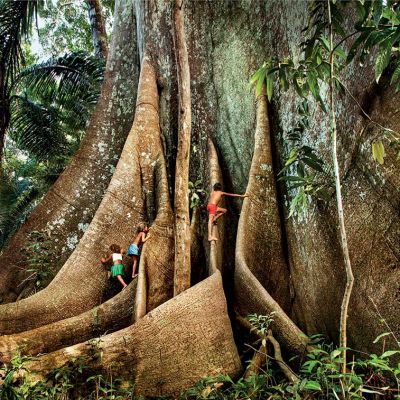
column 41, row 260
column 73, row 381
column 52, row 103
column 319, row 377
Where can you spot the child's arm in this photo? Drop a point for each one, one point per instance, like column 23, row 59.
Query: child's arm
column 106, row 260
column 145, row 238
column 235, row 195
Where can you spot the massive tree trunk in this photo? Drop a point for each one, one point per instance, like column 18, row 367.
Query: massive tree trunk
column 290, row 266
column 263, row 287
column 67, row 209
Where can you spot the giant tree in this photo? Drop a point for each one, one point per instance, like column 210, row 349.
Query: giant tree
column 289, row 266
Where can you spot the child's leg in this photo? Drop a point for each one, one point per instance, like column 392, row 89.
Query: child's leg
column 135, row 259
column 119, row 277
column 220, row 212
column 211, row 219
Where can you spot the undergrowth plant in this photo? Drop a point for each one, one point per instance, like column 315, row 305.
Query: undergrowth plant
column 74, row 381
column 40, row 257
column 320, row 377
column 319, row 372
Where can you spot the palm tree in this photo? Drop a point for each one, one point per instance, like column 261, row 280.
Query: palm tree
column 15, row 22
column 43, row 110
column 49, row 109
column 52, row 103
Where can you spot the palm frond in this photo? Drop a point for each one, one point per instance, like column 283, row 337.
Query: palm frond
column 17, row 199
column 55, row 104
column 65, row 79
column 15, row 22
column 36, row 129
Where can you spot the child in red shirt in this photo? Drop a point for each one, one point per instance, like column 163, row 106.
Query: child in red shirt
column 214, row 212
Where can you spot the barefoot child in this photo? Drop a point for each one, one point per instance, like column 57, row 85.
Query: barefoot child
column 133, row 249
column 117, row 270
column 214, row 212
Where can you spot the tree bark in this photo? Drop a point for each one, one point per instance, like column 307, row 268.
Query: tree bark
column 155, row 282
column 111, row 316
column 182, row 219
column 67, row 209
column 215, row 248
column 225, row 40
column 80, row 284
column 98, row 27
column 166, row 351
column 259, row 238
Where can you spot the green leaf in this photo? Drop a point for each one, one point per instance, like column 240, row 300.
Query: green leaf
column 293, row 178
column 389, row 353
column 256, row 76
column 270, row 85
column 312, row 385
column 323, row 71
column 361, row 12
column 313, row 84
column 292, row 157
column 382, row 59
column 335, row 353
column 282, row 79
column 381, row 336
column 378, row 152
column 396, row 74
column 260, row 82
column 313, row 164
column 324, row 40
column 298, row 87
column 377, row 11
column 341, row 53
column 353, row 49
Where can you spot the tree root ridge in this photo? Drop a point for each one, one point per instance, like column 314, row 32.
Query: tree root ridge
column 169, row 349
column 259, row 238
column 74, row 198
column 110, row 316
column 81, row 282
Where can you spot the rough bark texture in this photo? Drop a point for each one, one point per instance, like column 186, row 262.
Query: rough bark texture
column 69, row 206
column 169, row 349
column 182, row 219
column 98, row 26
column 108, row 317
column 261, row 270
column 227, row 41
column 157, row 260
column 80, row 284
